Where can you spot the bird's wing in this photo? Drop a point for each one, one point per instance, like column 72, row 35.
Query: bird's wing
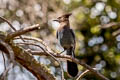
column 73, row 34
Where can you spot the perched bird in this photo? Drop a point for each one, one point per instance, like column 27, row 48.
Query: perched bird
column 66, row 38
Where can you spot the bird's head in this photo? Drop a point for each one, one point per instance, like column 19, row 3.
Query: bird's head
column 63, row 18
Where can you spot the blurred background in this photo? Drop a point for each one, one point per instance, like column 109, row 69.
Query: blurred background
column 95, row 46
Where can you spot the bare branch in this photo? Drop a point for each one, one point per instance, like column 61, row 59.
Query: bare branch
column 81, row 75
column 9, row 50
column 74, row 60
column 4, row 60
column 50, row 54
column 23, row 43
column 22, row 31
column 10, row 25
column 28, row 61
column 111, row 24
column 116, row 32
column 3, row 75
column 33, row 39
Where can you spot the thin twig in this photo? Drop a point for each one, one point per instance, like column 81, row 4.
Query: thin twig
column 117, row 32
column 9, row 49
column 10, row 26
column 25, row 43
column 3, row 75
column 4, row 60
column 111, row 24
column 33, row 39
column 8, row 23
column 81, row 75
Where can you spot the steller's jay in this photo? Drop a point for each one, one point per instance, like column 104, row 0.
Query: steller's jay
column 66, row 38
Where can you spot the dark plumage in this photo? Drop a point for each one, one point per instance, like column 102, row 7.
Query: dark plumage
column 66, row 38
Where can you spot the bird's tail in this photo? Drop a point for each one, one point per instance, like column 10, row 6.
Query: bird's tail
column 72, row 68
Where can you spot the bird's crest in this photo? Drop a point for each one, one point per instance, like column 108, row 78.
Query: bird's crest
column 65, row 16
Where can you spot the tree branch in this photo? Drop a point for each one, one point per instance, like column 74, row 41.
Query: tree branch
column 65, row 57
column 115, row 33
column 27, row 60
column 74, row 60
column 10, row 25
column 51, row 55
column 9, row 50
column 111, row 24
column 22, row 31
column 3, row 75
column 81, row 75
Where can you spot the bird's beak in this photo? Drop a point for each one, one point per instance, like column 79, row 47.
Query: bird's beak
column 69, row 14
column 56, row 20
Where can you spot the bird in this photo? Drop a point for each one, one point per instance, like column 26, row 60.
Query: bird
column 66, row 38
